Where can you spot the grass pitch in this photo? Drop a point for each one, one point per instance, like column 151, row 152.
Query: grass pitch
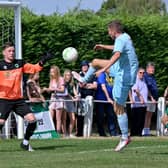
column 147, row 152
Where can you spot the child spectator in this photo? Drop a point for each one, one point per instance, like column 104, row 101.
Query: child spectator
column 72, row 95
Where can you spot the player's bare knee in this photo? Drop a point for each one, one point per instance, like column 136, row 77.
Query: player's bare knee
column 2, row 122
column 30, row 117
column 95, row 62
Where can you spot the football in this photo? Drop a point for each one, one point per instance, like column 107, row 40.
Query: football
column 70, row 54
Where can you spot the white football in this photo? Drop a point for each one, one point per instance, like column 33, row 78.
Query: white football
column 70, row 54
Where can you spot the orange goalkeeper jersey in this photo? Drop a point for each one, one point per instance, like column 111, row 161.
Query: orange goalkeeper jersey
column 11, row 78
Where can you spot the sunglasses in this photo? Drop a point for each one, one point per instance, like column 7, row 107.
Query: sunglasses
column 141, row 72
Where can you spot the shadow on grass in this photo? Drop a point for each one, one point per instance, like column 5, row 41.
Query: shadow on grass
column 52, row 147
column 160, row 153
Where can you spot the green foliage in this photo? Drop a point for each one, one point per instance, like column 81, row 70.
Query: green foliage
column 84, row 29
column 134, row 7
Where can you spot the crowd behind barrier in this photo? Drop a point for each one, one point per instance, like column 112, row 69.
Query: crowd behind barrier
column 17, row 127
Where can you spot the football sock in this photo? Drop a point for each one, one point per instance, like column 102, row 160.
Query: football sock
column 30, row 129
column 123, row 124
column 89, row 74
column 25, row 142
column 1, row 126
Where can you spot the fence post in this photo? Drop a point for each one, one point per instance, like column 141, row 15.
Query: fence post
column 88, row 118
column 20, row 127
column 7, row 127
column 160, row 112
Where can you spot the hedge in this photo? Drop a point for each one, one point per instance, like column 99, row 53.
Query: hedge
column 84, row 29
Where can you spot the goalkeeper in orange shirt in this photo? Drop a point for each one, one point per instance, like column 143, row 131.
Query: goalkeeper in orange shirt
column 11, row 98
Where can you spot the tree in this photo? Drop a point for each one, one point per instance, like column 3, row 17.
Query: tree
column 134, row 7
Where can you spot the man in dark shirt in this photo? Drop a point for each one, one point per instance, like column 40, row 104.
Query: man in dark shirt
column 84, row 91
column 152, row 98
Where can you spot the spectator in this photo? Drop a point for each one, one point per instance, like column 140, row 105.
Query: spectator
column 33, row 88
column 103, row 92
column 152, row 98
column 84, row 90
column 165, row 116
column 58, row 92
column 138, row 97
column 72, row 95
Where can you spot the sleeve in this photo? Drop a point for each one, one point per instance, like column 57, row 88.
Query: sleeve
column 101, row 79
column 31, row 68
column 135, row 86
column 119, row 45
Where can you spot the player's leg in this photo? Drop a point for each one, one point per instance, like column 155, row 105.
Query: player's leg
column 22, row 109
column 2, row 122
column 120, row 94
column 123, row 125
column 93, row 67
column 5, row 109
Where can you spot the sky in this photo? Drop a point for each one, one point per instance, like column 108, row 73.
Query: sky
column 48, row 7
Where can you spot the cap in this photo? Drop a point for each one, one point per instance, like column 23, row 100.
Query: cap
column 84, row 62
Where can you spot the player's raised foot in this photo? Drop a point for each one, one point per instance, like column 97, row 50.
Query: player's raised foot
column 122, row 144
column 77, row 76
column 26, row 147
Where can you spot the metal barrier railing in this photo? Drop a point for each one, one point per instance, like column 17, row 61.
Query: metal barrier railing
column 88, row 118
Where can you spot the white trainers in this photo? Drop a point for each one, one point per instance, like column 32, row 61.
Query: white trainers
column 72, row 136
column 122, row 144
column 77, row 76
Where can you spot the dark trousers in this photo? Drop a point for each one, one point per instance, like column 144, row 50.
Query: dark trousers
column 137, row 120
column 101, row 110
column 80, row 122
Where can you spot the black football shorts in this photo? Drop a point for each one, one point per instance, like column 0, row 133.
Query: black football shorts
column 18, row 106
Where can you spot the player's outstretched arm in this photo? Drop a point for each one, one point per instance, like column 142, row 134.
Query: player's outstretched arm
column 33, row 68
column 102, row 46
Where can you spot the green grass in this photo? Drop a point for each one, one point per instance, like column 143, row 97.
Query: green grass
column 149, row 152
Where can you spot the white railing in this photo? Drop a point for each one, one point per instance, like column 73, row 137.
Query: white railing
column 88, row 118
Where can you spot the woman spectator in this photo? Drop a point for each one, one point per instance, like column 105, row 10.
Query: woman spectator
column 57, row 90
column 138, row 97
column 72, row 95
